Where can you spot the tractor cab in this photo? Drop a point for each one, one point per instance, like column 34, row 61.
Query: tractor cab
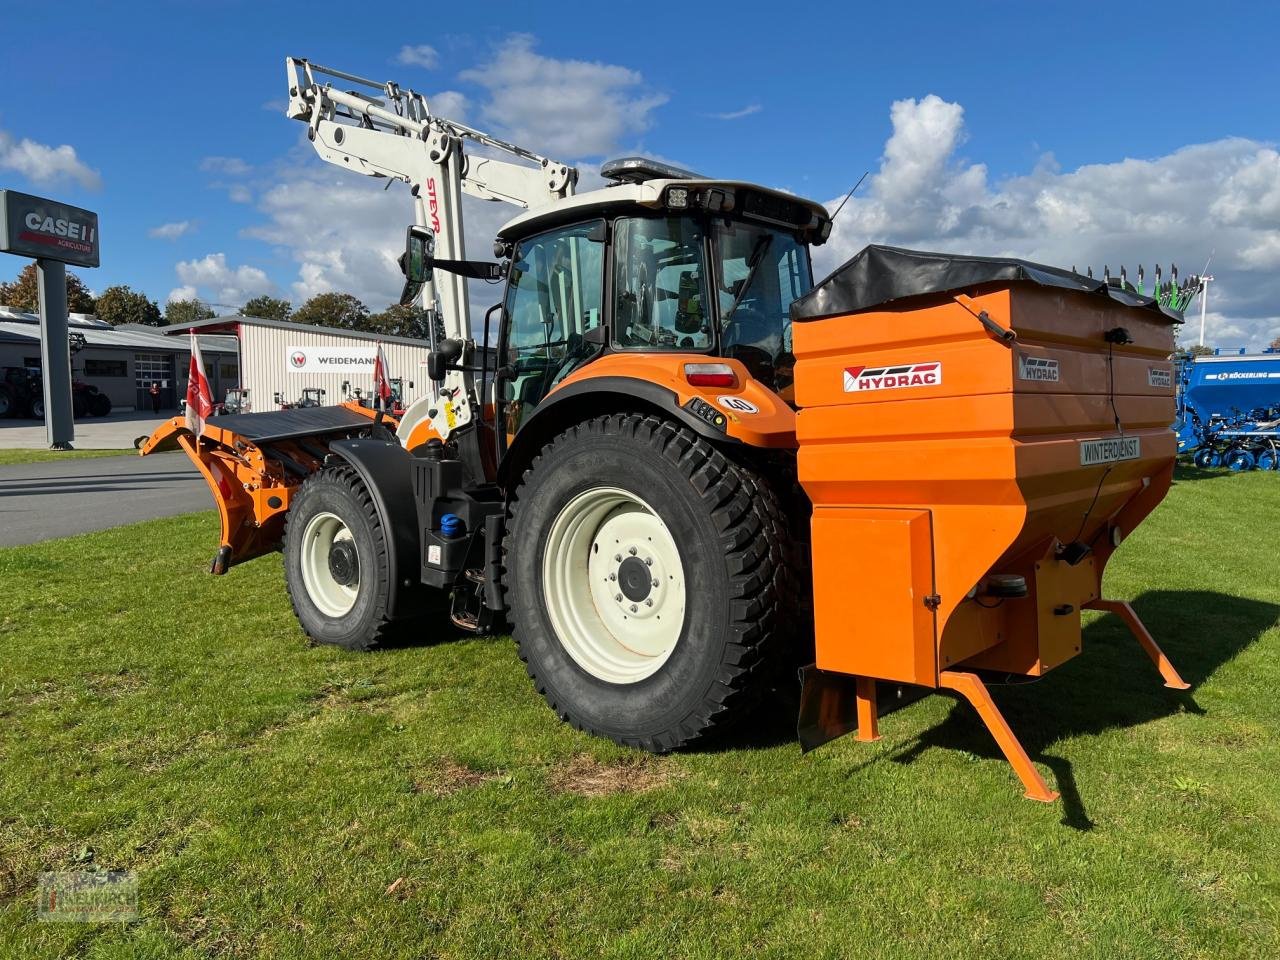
column 661, row 261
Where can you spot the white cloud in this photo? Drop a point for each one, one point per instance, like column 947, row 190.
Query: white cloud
column 227, row 166
column 746, row 111
column 449, row 104
column 178, row 294
column 420, row 55
column 562, row 108
column 345, row 233
column 226, row 284
column 1223, row 196
column 239, row 193
column 172, row 231
column 43, row 164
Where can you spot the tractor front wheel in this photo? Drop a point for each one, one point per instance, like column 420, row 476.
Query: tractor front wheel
column 336, row 563
column 648, row 582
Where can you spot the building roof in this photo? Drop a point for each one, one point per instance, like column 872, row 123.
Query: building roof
column 17, row 327
column 232, row 323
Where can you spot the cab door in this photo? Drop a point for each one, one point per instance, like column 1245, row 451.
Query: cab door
column 554, row 297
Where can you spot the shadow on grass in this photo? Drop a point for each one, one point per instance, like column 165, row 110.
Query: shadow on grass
column 1112, row 684
column 1189, row 473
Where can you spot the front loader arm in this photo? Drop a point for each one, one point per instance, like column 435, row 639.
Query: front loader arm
column 394, row 135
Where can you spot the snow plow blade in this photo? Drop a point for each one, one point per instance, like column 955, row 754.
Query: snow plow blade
column 254, row 464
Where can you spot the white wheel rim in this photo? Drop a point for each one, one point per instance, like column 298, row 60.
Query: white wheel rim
column 323, row 532
column 614, row 585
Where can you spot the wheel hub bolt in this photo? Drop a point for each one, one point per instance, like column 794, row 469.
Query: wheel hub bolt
column 631, row 550
column 617, row 557
column 633, row 608
column 649, row 602
column 648, row 561
column 618, row 597
column 613, row 576
column 655, row 583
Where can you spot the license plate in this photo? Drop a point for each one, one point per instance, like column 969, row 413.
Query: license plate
column 1093, row 452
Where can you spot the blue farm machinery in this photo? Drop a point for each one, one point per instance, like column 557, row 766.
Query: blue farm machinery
column 1229, row 410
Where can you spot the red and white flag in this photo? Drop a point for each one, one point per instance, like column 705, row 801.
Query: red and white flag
column 381, row 381
column 199, row 396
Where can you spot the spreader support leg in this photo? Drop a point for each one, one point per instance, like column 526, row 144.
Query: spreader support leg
column 975, row 691
column 868, row 725
column 1125, row 612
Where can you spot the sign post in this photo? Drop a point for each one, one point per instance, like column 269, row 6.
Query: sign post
column 53, row 234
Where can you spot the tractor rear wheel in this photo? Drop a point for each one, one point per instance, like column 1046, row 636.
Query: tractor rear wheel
column 7, row 406
column 335, row 561
column 648, row 582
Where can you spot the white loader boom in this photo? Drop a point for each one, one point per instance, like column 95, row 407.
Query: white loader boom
column 394, row 135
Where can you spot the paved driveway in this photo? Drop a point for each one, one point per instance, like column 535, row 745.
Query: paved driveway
column 114, row 432
column 39, row 501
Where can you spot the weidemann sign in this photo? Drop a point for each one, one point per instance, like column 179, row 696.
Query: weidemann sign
column 46, row 229
column 330, row 359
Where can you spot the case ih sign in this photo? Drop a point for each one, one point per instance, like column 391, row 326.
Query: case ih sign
column 45, row 229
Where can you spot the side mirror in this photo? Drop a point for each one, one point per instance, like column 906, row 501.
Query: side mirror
column 446, row 353
column 415, row 264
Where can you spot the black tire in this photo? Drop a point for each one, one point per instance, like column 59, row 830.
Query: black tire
column 741, row 608
column 99, row 405
column 79, row 408
column 37, row 408
column 339, row 490
column 8, row 407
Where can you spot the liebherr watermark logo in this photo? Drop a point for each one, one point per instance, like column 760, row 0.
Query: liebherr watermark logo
column 88, row 896
column 1037, row 368
column 857, row 379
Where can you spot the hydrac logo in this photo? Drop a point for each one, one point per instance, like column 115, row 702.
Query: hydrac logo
column 857, row 379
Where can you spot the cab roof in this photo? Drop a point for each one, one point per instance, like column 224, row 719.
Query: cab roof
column 775, row 207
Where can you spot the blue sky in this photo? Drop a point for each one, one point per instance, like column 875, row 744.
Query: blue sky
column 1076, row 133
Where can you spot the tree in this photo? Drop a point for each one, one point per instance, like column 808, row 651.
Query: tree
column 24, row 294
column 399, row 321
column 120, row 304
column 333, row 310
column 1200, row 350
column 185, row 312
column 267, row 308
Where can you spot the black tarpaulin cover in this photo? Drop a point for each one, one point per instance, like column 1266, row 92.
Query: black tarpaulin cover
column 879, row 275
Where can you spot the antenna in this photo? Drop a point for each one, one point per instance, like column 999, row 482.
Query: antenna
column 848, row 195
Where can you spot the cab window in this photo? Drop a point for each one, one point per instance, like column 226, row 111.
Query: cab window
column 554, row 296
column 660, row 294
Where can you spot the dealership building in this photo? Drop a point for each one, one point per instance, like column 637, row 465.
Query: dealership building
column 268, row 357
column 122, row 362
column 279, row 357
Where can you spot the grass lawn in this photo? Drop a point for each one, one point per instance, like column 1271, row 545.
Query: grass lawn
column 280, row 800
column 43, row 456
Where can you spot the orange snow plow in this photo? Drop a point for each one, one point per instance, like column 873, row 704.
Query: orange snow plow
column 974, row 453
column 254, row 463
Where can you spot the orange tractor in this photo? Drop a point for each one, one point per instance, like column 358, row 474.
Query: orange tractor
column 687, row 470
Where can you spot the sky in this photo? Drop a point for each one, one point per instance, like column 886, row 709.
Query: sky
column 1073, row 134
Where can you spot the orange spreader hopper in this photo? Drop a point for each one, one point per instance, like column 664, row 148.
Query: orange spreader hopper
column 977, row 437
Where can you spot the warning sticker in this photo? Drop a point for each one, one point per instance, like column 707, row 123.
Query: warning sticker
column 1159, row 377
column 1037, row 368
column 857, row 379
column 737, row 404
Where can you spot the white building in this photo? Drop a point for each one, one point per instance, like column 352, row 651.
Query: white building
column 122, row 362
column 280, row 358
